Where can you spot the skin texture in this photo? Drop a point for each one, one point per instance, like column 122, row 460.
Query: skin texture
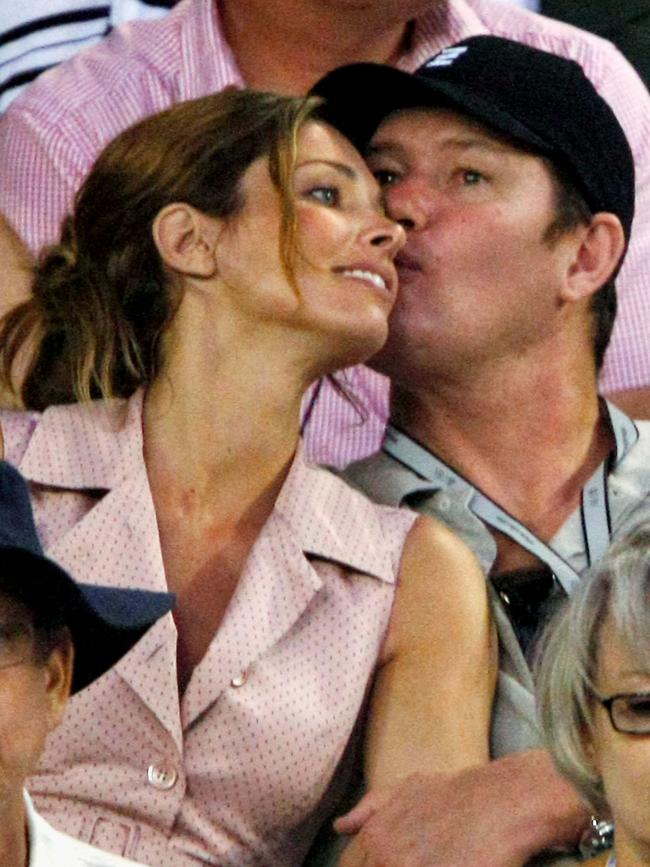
column 264, row 36
column 341, row 227
column 448, row 180
column 32, row 701
column 211, row 506
column 485, row 319
column 214, row 478
column 16, row 267
column 623, row 761
column 16, row 281
column 462, row 818
column 430, row 709
column 451, row 262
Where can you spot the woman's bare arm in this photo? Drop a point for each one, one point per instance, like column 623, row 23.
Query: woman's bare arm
column 431, row 704
column 432, row 699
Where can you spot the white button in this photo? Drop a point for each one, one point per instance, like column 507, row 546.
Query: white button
column 240, row 679
column 161, row 778
column 443, row 502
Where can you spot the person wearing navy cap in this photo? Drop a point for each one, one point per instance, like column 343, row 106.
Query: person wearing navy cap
column 56, row 637
column 515, row 184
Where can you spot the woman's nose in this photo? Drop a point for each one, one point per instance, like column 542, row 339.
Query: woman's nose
column 387, row 234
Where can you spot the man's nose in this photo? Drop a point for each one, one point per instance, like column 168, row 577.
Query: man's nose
column 410, row 203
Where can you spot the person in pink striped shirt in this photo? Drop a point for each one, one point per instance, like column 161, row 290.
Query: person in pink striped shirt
column 51, row 135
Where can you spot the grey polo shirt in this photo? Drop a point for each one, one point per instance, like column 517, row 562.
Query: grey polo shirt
column 383, row 479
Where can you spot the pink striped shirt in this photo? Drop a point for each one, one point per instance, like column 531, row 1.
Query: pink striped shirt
column 50, row 136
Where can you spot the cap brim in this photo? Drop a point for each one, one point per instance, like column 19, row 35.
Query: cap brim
column 105, row 622
column 358, row 97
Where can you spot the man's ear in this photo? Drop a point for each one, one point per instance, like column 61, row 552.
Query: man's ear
column 57, row 672
column 600, row 246
column 186, row 239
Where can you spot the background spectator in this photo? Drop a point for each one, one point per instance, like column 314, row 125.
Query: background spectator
column 51, row 135
column 594, row 693
column 37, row 34
column 55, row 636
column 627, row 24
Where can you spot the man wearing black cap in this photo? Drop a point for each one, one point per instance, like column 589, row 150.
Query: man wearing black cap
column 515, row 184
column 56, row 636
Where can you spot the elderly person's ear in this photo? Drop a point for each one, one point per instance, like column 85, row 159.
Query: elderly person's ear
column 186, row 240
column 57, row 673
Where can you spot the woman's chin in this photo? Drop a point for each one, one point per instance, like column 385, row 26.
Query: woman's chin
column 357, row 348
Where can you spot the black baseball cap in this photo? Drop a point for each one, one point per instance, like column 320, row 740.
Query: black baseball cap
column 105, row 622
column 538, row 100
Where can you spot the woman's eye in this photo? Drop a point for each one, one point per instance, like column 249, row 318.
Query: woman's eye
column 326, row 195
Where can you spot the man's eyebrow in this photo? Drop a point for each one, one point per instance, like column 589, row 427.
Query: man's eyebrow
column 14, row 626
column 473, row 142
column 343, row 168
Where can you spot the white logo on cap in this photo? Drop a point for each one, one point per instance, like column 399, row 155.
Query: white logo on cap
column 446, row 57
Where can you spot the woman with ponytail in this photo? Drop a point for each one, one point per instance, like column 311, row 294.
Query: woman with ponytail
column 221, row 257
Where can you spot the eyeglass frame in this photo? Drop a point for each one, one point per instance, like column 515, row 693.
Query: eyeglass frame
column 608, row 703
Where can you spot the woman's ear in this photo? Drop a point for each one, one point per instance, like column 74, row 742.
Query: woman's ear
column 186, row 239
column 57, row 672
column 599, row 248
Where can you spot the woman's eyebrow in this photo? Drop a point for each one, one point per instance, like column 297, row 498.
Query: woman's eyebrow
column 345, row 169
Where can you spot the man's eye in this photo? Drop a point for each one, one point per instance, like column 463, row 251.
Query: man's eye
column 471, row 177
column 385, row 177
column 326, row 195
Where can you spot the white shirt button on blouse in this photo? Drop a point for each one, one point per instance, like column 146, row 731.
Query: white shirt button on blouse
column 161, row 778
column 240, row 679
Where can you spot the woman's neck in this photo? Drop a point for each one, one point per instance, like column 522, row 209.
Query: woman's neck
column 220, row 427
column 222, row 419
column 232, row 426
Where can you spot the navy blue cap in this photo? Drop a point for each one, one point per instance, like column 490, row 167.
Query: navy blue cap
column 539, row 100
column 105, row 622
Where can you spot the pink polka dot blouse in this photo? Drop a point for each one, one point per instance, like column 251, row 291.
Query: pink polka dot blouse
column 238, row 770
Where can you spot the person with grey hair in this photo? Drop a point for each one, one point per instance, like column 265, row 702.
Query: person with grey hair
column 594, row 693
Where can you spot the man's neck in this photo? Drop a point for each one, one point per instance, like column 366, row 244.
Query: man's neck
column 287, row 46
column 530, row 447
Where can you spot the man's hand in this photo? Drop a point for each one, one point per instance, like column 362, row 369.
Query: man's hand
column 496, row 815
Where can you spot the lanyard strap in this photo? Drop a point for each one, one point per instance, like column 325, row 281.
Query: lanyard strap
column 594, row 504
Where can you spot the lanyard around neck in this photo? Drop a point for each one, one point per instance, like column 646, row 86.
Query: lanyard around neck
column 594, row 506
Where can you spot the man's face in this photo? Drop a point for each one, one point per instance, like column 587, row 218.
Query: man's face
column 478, row 280
column 33, row 693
